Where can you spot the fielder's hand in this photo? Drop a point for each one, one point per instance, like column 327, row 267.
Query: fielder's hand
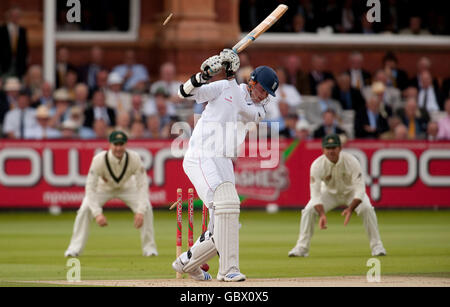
column 101, row 220
column 138, row 220
column 348, row 214
column 323, row 222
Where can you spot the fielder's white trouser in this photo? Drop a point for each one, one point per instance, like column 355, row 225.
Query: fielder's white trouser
column 206, row 174
column 329, row 201
column 85, row 216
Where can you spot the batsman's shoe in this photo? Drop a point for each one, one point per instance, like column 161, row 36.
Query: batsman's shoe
column 231, row 277
column 200, row 275
column 69, row 253
column 298, row 252
column 379, row 251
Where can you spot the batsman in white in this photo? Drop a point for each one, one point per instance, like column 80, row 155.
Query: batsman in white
column 208, row 163
column 336, row 179
column 115, row 173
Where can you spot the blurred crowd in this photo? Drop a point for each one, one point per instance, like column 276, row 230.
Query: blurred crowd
column 387, row 104
column 89, row 101
column 412, row 17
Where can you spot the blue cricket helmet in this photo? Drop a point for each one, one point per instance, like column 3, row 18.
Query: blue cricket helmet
column 267, row 77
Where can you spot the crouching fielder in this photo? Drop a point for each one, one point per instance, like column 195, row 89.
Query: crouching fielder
column 336, row 179
column 116, row 173
column 207, row 161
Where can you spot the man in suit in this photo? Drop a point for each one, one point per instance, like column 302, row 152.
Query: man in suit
column 429, row 95
column 329, row 125
column 14, row 45
column 358, row 76
column 318, row 73
column 369, row 121
column 397, row 78
column 295, row 75
column 63, row 66
column 99, row 110
column 88, row 72
column 415, row 119
column 349, row 97
column 424, row 64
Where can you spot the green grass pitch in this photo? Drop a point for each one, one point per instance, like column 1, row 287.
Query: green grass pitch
column 32, row 246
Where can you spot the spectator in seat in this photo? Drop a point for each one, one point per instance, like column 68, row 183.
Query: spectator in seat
column 358, row 76
column 69, row 130
column 349, row 97
column 314, row 108
column 168, row 82
column 137, row 112
column 63, row 65
column 81, row 93
column 428, row 97
column 432, row 131
column 8, row 101
column 390, row 97
column 14, row 45
column 61, row 109
column 132, row 73
column 33, row 82
column 444, row 123
column 46, row 96
column 415, row 119
column 20, row 119
column 347, row 18
column 88, row 73
column 423, row 64
column 303, row 130
column 123, row 122
column 101, row 129
column 154, row 127
column 415, row 27
column 393, row 122
column 396, row 77
column 318, row 74
column 290, row 122
column 295, row 75
column 401, row 133
column 329, row 125
column 42, row 130
column 115, row 97
column 369, row 122
column 99, row 110
column 102, row 82
column 137, row 131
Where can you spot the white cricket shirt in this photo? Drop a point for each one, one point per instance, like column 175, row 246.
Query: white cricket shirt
column 341, row 179
column 225, row 121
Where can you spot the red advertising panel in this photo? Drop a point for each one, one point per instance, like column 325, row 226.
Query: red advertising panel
column 398, row 174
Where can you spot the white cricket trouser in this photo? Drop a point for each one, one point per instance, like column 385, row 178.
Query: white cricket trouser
column 329, row 201
column 84, row 219
column 206, row 174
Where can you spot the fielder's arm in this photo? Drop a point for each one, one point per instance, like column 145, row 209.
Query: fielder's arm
column 315, row 190
column 91, row 187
